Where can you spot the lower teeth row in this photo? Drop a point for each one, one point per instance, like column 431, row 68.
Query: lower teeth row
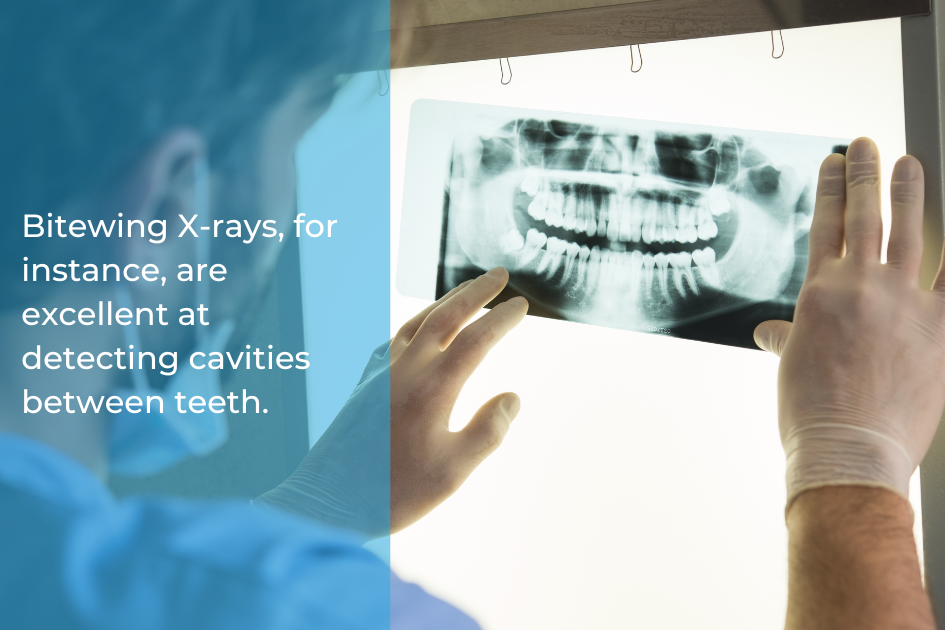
column 595, row 268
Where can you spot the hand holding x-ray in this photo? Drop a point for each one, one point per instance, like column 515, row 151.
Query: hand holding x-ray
column 347, row 479
column 432, row 356
column 860, row 382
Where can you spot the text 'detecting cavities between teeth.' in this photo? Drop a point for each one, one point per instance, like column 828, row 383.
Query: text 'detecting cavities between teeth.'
column 695, row 232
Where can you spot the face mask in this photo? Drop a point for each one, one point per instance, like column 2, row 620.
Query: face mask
column 146, row 443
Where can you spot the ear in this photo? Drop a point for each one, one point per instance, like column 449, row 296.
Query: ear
column 161, row 186
column 163, row 177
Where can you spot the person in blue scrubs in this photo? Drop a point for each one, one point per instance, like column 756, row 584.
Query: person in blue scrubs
column 150, row 112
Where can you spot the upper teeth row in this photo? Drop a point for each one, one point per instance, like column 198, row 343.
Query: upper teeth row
column 629, row 217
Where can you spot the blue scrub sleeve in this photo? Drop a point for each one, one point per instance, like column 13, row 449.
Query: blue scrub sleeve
column 74, row 557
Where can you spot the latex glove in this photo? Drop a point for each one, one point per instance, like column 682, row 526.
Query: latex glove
column 389, row 456
column 860, row 385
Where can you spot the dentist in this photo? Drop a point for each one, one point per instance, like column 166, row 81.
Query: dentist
column 148, row 112
column 158, row 109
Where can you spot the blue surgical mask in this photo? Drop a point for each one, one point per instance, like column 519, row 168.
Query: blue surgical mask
column 146, row 443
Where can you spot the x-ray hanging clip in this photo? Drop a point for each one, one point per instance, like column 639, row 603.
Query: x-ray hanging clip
column 772, row 45
column 502, row 70
column 632, row 62
column 381, row 90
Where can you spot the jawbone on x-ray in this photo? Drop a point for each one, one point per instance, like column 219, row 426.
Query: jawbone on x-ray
column 698, row 233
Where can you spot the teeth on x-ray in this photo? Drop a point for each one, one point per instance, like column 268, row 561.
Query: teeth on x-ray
column 623, row 221
column 632, row 226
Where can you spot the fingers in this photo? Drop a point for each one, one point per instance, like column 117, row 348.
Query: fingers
column 408, row 330
column 826, row 230
column 485, row 432
column 772, row 335
column 907, row 196
column 475, row 341
column 446, row 320
column 863, row 227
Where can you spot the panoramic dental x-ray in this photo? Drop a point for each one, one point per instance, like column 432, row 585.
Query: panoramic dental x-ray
column 674, row 229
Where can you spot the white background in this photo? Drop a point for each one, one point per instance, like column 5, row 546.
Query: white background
column 642, row 484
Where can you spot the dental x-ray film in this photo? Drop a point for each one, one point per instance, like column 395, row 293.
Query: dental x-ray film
column 689, row 231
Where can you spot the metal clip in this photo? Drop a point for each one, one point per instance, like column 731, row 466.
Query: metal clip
column 380, row 85
column 502, row 70
column 639, row 54
column 773, row 56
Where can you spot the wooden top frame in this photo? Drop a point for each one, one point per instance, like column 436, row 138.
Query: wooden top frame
column 440, row 40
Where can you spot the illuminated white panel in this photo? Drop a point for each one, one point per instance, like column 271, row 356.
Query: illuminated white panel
column 642, row 484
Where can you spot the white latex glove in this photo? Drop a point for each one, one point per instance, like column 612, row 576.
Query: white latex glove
column 389, row 456
column 861, row 385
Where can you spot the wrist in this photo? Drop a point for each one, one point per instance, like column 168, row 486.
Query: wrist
column 308, row 500
column 851, row 512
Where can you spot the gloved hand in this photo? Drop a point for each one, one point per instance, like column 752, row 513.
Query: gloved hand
column 389, row 456
column 861, row 386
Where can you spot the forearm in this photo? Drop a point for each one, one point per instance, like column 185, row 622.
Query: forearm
column 853, row 562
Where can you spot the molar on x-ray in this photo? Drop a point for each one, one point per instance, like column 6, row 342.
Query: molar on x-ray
column 695, row 233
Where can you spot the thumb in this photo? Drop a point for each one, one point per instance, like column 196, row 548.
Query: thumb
column 772, row 335
column 487, row 429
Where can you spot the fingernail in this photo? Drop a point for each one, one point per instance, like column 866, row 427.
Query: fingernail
column 907, row 169
column 861, row 150
column 510, row 406
column 834, row 166
column 498, row 272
